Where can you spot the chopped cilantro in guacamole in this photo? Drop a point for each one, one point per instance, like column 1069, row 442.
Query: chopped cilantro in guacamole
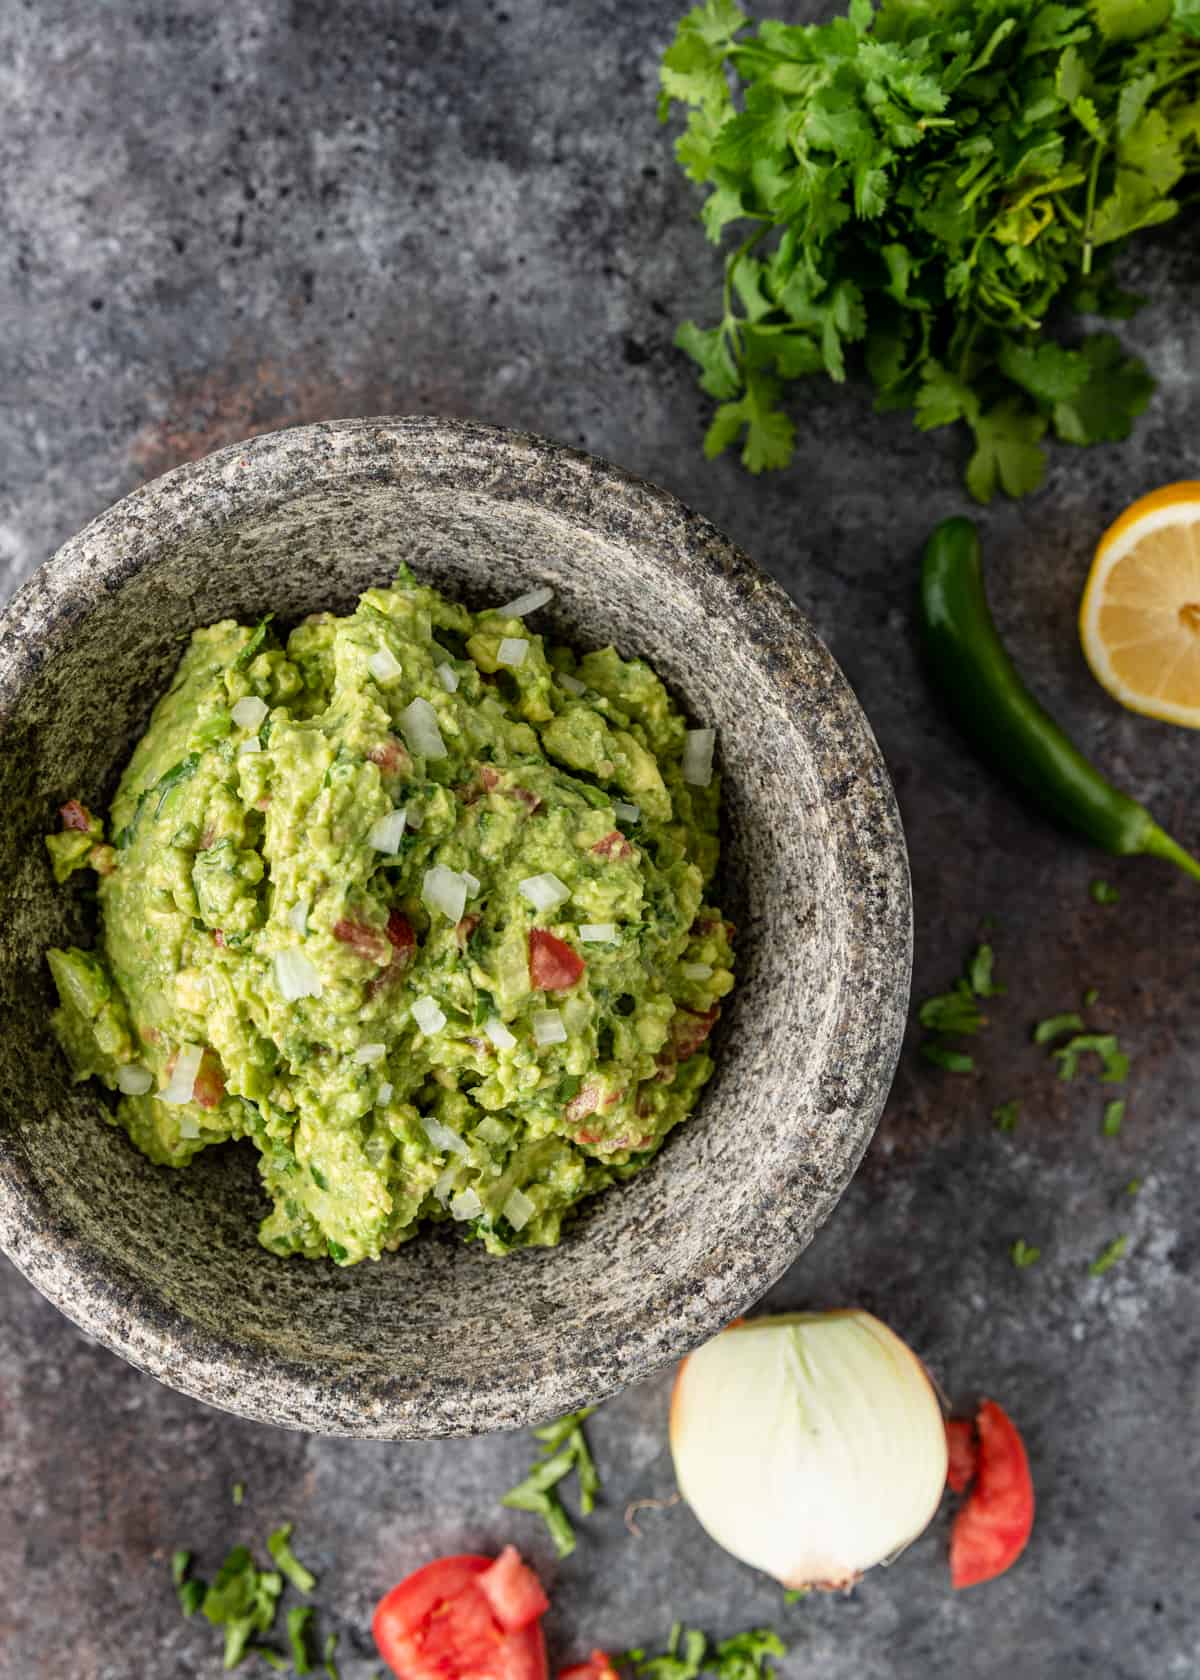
column 416, row 905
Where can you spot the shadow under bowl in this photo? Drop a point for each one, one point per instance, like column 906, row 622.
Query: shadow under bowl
column 439, row 1339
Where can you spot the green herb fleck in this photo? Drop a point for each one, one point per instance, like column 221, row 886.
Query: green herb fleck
column 794, row 1594
column 1114, row 1113
column 1054, row 1026
column 979, row 973
column 1090, row 997
column 181, row 1562
column 273, row 1659
column 239, row 1492
column 1104, row 894
column 954, row 1061
column 1109, row 1257
column 688, row 1654
column 1132, row 1188
column 1114, row 1062
column 564, row 1449
column 251, row 646
column 286, row 1561
column 1006, row 1116
column 331, row 1668
column 1023, row 1254
column 298, row 1619
column 242, row 1599
column 188, row 1590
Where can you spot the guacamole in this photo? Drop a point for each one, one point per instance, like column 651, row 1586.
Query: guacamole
column 414, row 903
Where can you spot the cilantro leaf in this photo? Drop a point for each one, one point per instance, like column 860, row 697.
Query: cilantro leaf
column 1054, row 1026
column 1104, row 409
column 980, row 976
column 564, row 1449
column 286, row 1561
column 1103, row 893
column 1114, row 1062
column 1008, row 452
column 253, row 643
column 952, row 1012
column 1109, row 1256
column 953, row 1061
column 1114, row 1113
column 1006, row 1116
column 769, row 434
column 298, row 1619
column 1023, row 1255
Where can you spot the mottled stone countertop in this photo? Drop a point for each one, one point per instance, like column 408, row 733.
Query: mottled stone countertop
column 220, row 219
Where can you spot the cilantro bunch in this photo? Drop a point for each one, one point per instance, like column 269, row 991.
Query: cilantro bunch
column 930, row 187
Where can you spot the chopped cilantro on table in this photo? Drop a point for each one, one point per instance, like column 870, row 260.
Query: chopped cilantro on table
column 1114, row 1113
column 1006, row 1116
column 1114, row 1062
column 286, row 1561
column 298, row 1618
column 956, row 1013
column 1023, row 1254
column 689, row 1654
column 239, row 1492
column 242, row 1599
column 564, row 1450
column 1132, row 1188
column 1054, row 1026
column 920, row 191
column 1109, row 1256
column 1103, row 893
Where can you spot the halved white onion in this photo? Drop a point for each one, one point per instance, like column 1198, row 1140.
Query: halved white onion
column 811, row 1446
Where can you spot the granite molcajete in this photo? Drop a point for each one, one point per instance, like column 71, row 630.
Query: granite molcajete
column 436, row 1339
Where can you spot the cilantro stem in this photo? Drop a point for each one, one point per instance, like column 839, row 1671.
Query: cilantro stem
column 1089, row 212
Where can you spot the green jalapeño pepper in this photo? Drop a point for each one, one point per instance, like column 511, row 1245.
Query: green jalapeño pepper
column 1000, row 717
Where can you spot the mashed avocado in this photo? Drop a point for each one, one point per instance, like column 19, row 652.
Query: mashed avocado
column 415, row 904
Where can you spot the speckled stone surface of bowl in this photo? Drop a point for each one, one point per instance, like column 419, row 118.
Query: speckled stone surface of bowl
column 438, row 1338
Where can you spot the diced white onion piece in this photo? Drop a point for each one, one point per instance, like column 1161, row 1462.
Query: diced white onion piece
column 698, row 747
column 249, row 712
column 518, row 1209
column 466, row 1205
column 625, row 811
column 297, row 917
column 135, row 1080
column 576, row 1014
column 427, row 1015
column 445, row 890
column 385, row 833
column 571, row 684
column 384, row 666
column 527, row 603
column 296, row 975
column 419, row 723
column 412, row 817
column 188, row 1128
column 548, row 1027
column 442, row 1138
column 472, row 882
column 696, row 971
column 598, row 933
column 443, row 1186
column 384, row 1094
column 252, row 745
column 491, row 1130
column 512, row 651
column 448, row 677
column 499, row 1034
column 370, row 1053
column 543, row 891
column 183, row 1074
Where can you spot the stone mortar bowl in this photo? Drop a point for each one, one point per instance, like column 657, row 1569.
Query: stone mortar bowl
column 439, row 1339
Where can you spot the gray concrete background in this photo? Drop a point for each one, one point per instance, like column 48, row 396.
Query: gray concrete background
column 215, row 220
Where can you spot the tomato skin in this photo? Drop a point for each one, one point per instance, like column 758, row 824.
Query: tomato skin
column 438, row 1624
column 992, row 1528
column 514, row 1592
column 964, row 1454
column 75, row 816
column 553, row 965
column 400, row 932
column 598, row 1667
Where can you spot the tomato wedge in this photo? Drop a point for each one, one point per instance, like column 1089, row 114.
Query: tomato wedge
column 991, row 1530
column 440, row 1624
column 598, row 1667
column 513, row 1591
column 553, row 965
column 964, row 1455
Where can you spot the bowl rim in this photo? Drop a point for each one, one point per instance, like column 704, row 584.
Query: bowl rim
column 106, row 1300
